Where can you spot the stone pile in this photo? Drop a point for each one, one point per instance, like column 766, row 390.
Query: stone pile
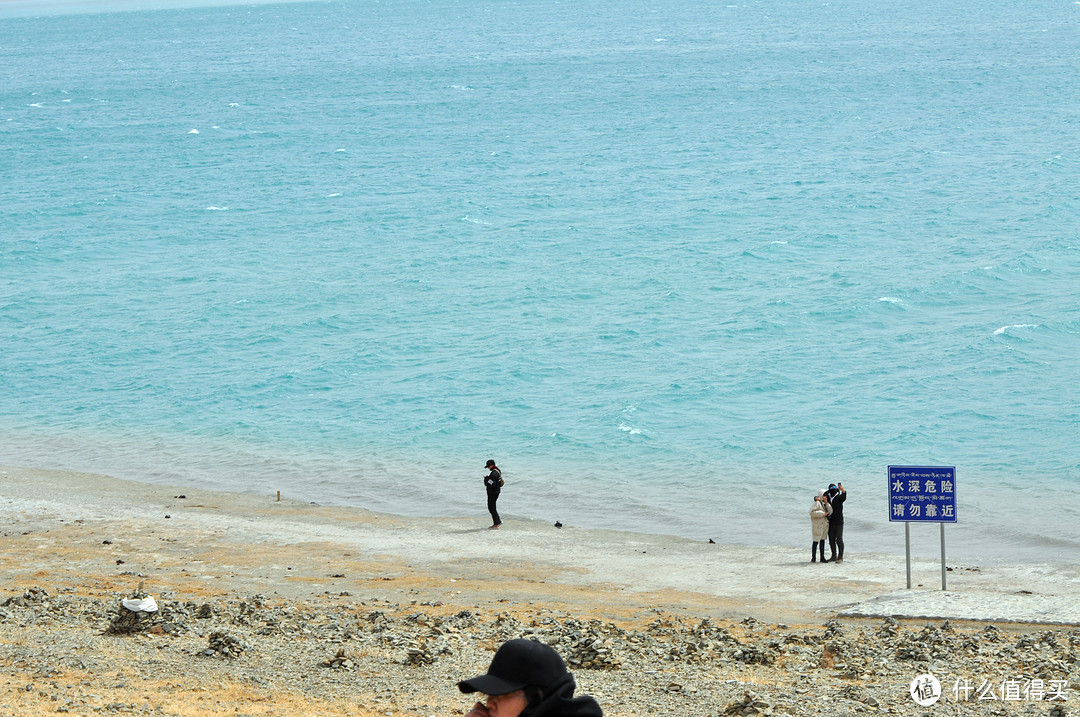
column 418, row 654
column 223, row 645
column 130, row 622
column 750, row 704
column 339, row 661
column 29, row 597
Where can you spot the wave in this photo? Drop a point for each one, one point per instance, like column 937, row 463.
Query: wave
column 1003, row 329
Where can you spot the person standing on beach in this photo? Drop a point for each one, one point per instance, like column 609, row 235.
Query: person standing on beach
column 493, row 482
column 819, row 526
column 836, row 495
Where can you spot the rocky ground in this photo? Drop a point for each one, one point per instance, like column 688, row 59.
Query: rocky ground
column 336, row 654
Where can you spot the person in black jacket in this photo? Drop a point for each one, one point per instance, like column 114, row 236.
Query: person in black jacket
column 493, row 482
column 528, row 679
column 837, row 495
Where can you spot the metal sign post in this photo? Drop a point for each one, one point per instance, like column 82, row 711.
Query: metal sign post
column 922, row 494
column 942, row 526
column 907, row 551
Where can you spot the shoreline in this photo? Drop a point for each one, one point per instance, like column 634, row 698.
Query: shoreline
column 767, row 514
column 725, row 581
column 271, row 608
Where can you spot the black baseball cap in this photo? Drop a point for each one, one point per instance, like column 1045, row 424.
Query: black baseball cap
column 516, row 665
column 489, row 464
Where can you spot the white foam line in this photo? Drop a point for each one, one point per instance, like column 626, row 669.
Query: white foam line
column 1003, row 329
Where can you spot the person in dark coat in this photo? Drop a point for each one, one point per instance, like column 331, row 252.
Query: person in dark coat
column 837, row 495
column 493, row 482
column 528, row 679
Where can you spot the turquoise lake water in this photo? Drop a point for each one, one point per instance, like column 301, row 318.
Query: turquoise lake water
column 675, row 265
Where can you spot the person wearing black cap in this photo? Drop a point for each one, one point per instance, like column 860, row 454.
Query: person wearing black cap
column 837, row 495
column 528, row 679
column 493, row 482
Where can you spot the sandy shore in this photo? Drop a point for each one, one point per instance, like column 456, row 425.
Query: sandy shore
column 94, row 538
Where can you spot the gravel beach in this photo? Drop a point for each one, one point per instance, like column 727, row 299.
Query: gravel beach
column 271, row 607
